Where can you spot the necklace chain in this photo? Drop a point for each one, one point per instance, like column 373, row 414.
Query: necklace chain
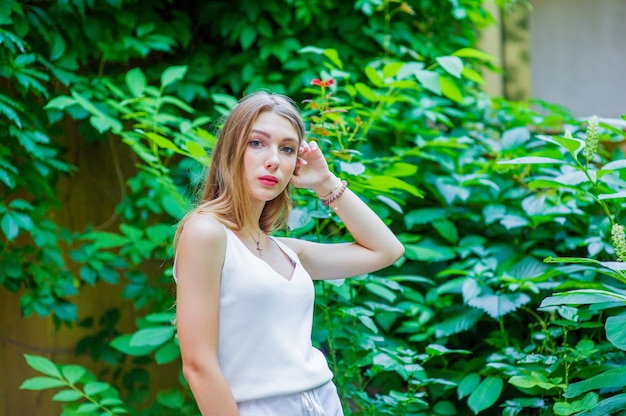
column 258, row 242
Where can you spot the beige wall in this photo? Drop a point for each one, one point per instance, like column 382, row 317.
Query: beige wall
column 578, row 55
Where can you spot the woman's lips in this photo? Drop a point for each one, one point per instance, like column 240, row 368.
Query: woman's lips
column 268, row 180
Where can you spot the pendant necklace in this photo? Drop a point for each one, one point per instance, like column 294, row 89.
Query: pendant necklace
column 258, row 242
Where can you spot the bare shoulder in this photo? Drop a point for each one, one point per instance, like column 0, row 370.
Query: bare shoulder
column 202, row 229
column 200, row 252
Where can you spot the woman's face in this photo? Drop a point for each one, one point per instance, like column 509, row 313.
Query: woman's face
column 270, row 155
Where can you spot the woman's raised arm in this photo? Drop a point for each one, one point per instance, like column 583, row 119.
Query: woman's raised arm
column 374, row 246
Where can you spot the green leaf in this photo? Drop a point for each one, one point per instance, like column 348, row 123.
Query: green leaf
column 453, row 65
column 458, row 322
column 429, row 80
column 485, row 395
column 104, row 123
column 447, row 230
column 298, row 219
column 25, row 222
column 136, row 82
column 333, row 56
column 73, row 373
column 381, row 291
column 152, row 336
column 450, row 89
column 42, row 383
column 614, row 378
column 472, row 75
column 400, row 169
column 467, row 385
column 551, row 184
column 531, row 160
column 172, row 399
column 87, row 105
column 161, row 317
column 122, row 343
column 58, row 47
column 60, row 103
column 163, row 142
column 424, row 216
column 65, row 311
column 105, row 239
column 573, row 145
column 173, row 74
column 226, row 100
column 195, row 150
column 167, row 353
column 563, row 409
column 172, row 205
column 587, row 297
column 429, row 253
column 616, row 195
column 445, row 408
column 366, row 91
column 311, row 49
column 87, row 274
column 369, row 323
column 67, row 396
column 515, row 137
column 436, row 350
column 572, row 178
column 43, row 365
column 609, row 406
column 389, row 183
column 474, row 53
column 247, row 37
column 96, row 387
column 497, row 305
column 9, row 226
column 615, row 332
column 392, row 69
column 111, row 401
column 615, row 165
column 374, row 76
column 178, row 103
column 87, row 408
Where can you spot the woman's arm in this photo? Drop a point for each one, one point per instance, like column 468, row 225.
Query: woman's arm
column 374, row 247
column 199, row 259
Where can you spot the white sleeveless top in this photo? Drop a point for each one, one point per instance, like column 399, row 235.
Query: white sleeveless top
column 265, row 346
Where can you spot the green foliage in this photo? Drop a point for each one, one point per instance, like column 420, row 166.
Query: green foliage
column 471, row 321
column 582, row 174
column 82, row 393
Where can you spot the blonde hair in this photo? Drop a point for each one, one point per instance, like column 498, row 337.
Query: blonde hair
column 225, row 194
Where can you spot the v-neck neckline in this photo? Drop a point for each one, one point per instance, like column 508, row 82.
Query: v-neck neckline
column 282, row 250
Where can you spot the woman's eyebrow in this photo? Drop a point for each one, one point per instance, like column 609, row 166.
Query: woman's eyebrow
column 261, row 132
column 267, row 135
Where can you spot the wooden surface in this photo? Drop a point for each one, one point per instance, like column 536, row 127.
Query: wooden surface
column 88, row 197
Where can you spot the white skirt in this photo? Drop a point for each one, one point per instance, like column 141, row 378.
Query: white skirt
column 322, row 401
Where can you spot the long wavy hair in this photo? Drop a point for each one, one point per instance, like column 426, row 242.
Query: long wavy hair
column 226, row 195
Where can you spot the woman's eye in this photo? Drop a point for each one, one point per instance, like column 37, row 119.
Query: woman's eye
column 289, row 149
column 255, row 143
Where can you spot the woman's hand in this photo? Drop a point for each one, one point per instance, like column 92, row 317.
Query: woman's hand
column 312, row 170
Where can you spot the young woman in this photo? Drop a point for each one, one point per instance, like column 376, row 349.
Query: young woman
column 245, row 298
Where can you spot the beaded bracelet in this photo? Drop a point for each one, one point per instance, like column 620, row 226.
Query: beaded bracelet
column 336, row 194
column 331, row 192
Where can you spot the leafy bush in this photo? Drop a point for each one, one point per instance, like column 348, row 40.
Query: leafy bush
column 472, row 320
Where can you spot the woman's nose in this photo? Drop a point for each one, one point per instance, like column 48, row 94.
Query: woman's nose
column 272, row 160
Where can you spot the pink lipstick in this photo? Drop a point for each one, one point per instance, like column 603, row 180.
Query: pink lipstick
column 268, row 180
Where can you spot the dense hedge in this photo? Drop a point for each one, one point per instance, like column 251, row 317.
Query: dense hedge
column 477, row 194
